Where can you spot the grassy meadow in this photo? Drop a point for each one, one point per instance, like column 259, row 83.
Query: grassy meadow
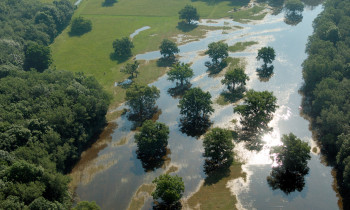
column 90, row 53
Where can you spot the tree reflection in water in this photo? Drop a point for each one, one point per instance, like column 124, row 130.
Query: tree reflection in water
column 287, row 181
column 265, row 72
column 293, row 18
column 194, row 127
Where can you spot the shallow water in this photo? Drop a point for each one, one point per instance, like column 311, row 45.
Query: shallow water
column 114, row 175
column 138, row 31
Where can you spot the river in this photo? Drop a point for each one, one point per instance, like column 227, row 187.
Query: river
column 110, row 172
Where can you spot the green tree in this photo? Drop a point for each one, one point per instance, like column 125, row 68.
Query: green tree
column 168, row 48
column 86, row 205
column 196, row 105
column 168, row 188
column 267, row 54
column 292, row 158
column 218, row 147
column 257, row 110
column 80, row 26
column 142, row 101
column 189, row 13
column 152, row 139
column 235, row 77
column 181, row 72
column 131, row 68
column 122, row 47
column 217, row 50
column 37, row 56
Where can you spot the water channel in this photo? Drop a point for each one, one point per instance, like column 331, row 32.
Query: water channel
column 110, row 172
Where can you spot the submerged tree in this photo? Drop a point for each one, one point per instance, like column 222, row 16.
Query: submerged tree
column 180, row 72
column 217, row 148
column 217, row 51
column 235, row 78
column 168, row 48
column 142, row 101
column 168, row 188
column 256, row 112
column 189, row 13
column 152, row 142
column 292, row 158
column 195, row 108
column 131, row 68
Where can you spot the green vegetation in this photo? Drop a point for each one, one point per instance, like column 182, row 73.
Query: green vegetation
column 217, row 51
column 80, row 26
column 37, row 56
column 189, row 13
column 256, row 113
column 292, row 158
column 122, row 48
column 85, row 205
column 218, row 148
column 241, row 46
column 326, row 75
column 168, row 48
column 142, row 100
column 131, row 68
column 235, row 78
column 180, row 72
column 152, row 140
column 169, row 189
column 267, row 54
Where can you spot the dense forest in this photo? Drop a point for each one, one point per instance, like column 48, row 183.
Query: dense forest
column 47, row 116
column 326, row 72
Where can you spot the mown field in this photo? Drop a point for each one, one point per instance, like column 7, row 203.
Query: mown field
column 90, row 53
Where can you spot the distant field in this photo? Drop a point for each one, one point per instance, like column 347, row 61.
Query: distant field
column 90, row 53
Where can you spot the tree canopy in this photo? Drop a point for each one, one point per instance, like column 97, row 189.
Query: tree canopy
column 267, row 54
column 122, row 47
column 168, row 48
column 142, row 101
column 234, row 77
column 168, row 188
column 37, row 56
column 80, row 26
column 189, row 13
column 152, row 139
column 180, row 72
column 217, row 51
column 291, row 158
column 131, row 68
column 218, row 147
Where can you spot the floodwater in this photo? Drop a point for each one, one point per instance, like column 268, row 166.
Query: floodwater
column 110, row 172
column 137, row 31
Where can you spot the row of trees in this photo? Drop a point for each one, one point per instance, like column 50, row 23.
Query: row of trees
column 326, row 75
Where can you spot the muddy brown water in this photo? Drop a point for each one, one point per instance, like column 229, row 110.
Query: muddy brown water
column 113, row 173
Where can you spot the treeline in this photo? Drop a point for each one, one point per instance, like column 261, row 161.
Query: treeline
column 326, row 73
column 47, row 117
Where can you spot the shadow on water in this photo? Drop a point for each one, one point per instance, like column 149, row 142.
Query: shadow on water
column 164, row 206
column 215, row 68
column 185, row 27
column 150, row 164
column 293, row 18
column 215, row 173
column 286, row 181
column 109, row 3
column 194, row 127
column 234, row 96
column 179, row 90
column 265, row 73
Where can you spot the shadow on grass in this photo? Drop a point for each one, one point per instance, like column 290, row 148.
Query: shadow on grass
column 108, row 3
column 179, row 90
column 194, row 127
column 120, row 59
column 265, row 73
column 166, row 61
column 185, row 27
